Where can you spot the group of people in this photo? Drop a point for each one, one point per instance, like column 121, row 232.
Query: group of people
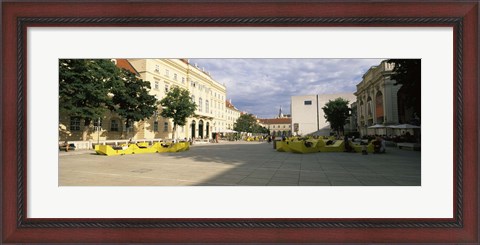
column 379, row 145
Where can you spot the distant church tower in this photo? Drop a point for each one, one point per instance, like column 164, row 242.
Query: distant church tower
column 280, row 113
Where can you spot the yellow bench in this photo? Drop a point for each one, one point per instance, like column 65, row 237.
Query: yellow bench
column 140, row 148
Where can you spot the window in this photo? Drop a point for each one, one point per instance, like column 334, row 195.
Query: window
column 167, row 72
column 200, row 104
column 114, row 125
column 165, row 127
column 307, row 102
column 207, row 109
column 166, row 88
column 175, row 76
column 74, row 124
column 193, row 98
column 157, row 68
column 155, row 126
column 157, row 85
column 183, row 80
column 97, row 123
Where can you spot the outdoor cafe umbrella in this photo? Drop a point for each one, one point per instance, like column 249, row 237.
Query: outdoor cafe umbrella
column 377, row 126
column 404, row 126
column 226, row 131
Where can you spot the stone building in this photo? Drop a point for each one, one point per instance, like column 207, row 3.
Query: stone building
column 377, row 98
column 281, row 125
column 163, row 74
column 231, row 114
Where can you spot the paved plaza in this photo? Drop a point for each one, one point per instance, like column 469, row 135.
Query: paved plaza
column 240, row 164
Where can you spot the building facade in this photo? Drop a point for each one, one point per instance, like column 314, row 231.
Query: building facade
column 208, row 94
column 281, row 125
column 278, row 126
column 376, row 97
column 307, row 113
column 163, row 74
column 231, row 114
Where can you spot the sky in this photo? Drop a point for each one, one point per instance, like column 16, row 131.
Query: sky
column 261, row 86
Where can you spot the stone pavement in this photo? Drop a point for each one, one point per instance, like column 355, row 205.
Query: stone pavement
column 241, row 164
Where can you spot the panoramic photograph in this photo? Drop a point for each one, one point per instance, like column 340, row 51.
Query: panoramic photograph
column 239, row 122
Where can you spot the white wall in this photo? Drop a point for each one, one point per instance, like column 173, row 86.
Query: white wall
column 311, row 117
column 304, row 115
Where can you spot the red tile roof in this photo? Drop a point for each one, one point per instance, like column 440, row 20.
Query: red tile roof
column 285, row 120
column 125, row 64
column 229, row 104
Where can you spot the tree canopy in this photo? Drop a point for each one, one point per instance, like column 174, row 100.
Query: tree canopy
column 178, row 106
column 90, row 87
column 407, row 72
column 84, row 87
column 131, row 99
column 336, row 112
column 248, row 123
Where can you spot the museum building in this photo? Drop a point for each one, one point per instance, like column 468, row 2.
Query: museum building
column 376, row 97
column 163, row 74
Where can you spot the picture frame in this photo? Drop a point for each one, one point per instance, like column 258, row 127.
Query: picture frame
column 18, row 16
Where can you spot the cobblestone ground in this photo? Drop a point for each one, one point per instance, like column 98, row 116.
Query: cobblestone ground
column 241, row 164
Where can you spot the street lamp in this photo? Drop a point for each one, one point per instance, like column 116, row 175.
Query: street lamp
column 98, row 131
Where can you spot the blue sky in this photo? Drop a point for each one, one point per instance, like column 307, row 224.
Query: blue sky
column 261, row 86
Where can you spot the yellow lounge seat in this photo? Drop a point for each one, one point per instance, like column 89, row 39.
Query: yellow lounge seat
column 358, row 147
column 282, row 146
column 304, row 146
column 337, row 146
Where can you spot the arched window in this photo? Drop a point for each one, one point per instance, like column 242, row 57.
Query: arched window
column 379, row 107
column 193, row 98
column 207, row 109
column 369, row 106
column 200, row 104
column 361, row 108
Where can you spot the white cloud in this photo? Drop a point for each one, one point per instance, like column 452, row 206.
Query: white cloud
column 261, row 86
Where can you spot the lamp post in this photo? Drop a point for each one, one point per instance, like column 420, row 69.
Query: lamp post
column 98, row 131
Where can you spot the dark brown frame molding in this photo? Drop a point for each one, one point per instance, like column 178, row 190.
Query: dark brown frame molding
column 18, row 16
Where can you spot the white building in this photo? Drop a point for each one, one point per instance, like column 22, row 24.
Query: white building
column 207, row 93
column 307, row 113
column 231, row 114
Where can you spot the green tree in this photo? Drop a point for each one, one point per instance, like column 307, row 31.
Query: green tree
column 83, row 88
column 90, row 87
column 131, row 99
column 336, row 112
column 246, row 123
column 178, row 106
column 257, row 128
column 407, row 72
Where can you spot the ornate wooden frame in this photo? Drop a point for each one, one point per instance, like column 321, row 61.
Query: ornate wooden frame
column 18, row 16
